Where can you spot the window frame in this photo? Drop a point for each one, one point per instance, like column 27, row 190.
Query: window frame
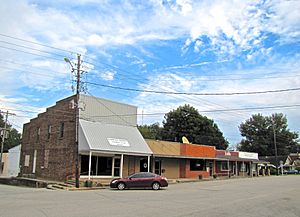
column 194, row 167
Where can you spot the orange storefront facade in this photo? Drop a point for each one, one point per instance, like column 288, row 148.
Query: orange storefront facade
column 178, row 160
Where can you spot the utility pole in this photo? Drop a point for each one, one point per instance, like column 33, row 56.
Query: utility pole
column 275, row 145
column 4, row 136
column 78, row 73
column 77, row 122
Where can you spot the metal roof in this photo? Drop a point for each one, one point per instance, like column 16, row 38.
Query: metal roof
column 106, row 111
column 96, row 136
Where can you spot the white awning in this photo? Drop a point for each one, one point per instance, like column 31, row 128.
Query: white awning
column 111, row 138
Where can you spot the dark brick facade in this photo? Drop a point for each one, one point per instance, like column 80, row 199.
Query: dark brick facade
column 52, row 136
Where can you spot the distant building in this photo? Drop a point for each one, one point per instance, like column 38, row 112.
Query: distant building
column 4, row 164
column 14, row 161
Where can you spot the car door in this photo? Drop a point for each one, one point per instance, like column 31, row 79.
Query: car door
column 148, row 179
column 135, row 180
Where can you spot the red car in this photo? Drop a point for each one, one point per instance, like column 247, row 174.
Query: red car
column 140, row 180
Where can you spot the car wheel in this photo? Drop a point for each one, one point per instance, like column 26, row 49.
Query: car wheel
column 155, row 186
column 121, row 186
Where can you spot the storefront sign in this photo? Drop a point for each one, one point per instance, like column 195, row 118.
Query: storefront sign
column 248, row 155
column 118, row 142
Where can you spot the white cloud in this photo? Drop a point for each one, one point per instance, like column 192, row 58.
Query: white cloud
column 107, row 75
column 228, row 121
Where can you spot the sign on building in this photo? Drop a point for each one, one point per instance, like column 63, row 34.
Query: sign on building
column 118, row 142
column 248, row 155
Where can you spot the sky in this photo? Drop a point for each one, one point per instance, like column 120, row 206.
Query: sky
column 180, row 46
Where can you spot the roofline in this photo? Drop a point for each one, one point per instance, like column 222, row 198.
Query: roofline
column 120, row 103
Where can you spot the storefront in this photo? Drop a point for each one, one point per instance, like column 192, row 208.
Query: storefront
column 109, row 151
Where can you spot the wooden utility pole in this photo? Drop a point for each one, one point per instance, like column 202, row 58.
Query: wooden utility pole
column 4, row 132
column 77, row 122
column 78, row 73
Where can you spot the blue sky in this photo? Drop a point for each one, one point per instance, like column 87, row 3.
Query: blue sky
column 178, row 46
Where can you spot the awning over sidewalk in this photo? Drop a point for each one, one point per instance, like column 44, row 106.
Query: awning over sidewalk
column 111, row 138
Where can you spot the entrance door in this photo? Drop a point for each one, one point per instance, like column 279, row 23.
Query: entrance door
column 157, row 167
column 117, row 166
column 211, row 168
column 144, row 165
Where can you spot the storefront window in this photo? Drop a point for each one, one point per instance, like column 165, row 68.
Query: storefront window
column 197, row 165
column 243, row 167
column 100, row 166
column 224, row 165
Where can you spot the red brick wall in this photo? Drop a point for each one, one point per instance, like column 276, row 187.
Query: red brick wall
column 59, row 164
column 194, row 174
column 197, row 150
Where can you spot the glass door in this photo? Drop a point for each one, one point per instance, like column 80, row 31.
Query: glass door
column 157, row 168
column 117, row 166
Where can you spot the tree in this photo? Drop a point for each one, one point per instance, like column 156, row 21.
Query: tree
column 186, row 121
column 14, row 137
column 152, row 131
column 259, row 132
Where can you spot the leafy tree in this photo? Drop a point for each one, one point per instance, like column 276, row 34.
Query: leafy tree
column 152, row 131
column 14, row 137
column 259, row 130
column 186, row 121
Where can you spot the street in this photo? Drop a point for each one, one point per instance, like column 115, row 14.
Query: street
column 263, row 196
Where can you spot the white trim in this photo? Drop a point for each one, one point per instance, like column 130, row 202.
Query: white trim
column 34, row 161
column 148, row 164
column 112, row 153
column 90, row 165
column 121, row 166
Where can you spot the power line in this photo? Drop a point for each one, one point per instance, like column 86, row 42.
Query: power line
column 49, row 57
column 30, row 48
column 207, row 111
column 195, row 94
column 40, row 44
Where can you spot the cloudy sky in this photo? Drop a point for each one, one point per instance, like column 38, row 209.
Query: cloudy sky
column 159, row 45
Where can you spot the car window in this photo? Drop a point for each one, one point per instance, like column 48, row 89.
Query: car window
column 137, row 175
column 143, row 175
column 149, row 175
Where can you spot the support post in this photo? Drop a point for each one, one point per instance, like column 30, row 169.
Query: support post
column 121, row 166
column 148, row 163
column 90, row 165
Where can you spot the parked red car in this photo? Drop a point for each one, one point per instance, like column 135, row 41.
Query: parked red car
column 140, row 180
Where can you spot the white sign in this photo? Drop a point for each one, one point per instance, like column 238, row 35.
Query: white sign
column 248, row 155
column 118, row 142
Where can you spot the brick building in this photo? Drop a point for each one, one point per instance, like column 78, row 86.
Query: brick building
column 108, row 141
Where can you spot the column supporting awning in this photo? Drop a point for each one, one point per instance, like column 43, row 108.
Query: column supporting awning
column 121, row 166
column 148, row 164
column 90, row 165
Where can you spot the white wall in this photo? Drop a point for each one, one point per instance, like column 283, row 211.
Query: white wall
column 14, row 160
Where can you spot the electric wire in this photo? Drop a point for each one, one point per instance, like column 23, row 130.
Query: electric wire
column 196, row 94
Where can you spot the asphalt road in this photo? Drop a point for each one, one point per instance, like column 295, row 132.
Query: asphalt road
column 264, row 196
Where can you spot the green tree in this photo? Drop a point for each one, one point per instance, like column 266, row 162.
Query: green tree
column 259, row 130
column 186, row 121
column 14, row 137
column 152, row 131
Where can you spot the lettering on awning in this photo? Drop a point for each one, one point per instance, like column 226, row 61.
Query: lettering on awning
column 118, row 142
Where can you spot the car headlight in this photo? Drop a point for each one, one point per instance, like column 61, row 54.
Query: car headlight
column 114, row 181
